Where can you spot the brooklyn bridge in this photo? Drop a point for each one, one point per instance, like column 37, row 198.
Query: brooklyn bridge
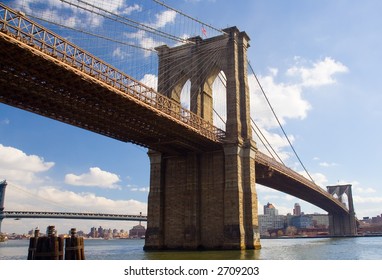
column 203, row 178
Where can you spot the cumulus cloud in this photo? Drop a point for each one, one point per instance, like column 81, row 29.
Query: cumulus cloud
column 287, row 96
column 71, row 15
column 15, row 165
column 321, row 73
column 94, row 178
column 164, row 18
column 150, row 80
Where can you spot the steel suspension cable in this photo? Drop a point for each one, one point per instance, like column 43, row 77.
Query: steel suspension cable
column 266, row 140
column 187, row 16
column 132, row 23
column 91, row 34
column 255, row 130
column 278, row 121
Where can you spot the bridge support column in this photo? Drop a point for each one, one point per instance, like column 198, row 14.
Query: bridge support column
column 185, row 201
column 240, row 198
column 342, row 224
column 203, row 201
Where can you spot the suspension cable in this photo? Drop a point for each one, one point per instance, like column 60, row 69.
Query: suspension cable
column 278, row 121
column 92, row 34
column 187, row 16
column 266, row 140
column 133, row 23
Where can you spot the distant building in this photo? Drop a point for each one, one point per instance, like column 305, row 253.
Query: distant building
column 93, row 232
column 376, row 220
column 297, row 210
column 271, row 220
column 137, row 231
column 302, row 221
column 319, row 220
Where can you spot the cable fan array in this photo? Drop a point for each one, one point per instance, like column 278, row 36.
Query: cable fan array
column 127, row 35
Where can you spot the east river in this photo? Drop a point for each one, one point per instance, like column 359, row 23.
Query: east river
column 360, row 248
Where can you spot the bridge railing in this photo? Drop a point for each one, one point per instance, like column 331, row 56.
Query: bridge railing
column 31, row 33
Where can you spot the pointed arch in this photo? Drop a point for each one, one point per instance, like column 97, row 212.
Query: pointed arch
column 219, row 100
column 185, row 95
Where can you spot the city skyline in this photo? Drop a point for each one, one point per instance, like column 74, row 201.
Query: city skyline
column 317, row 64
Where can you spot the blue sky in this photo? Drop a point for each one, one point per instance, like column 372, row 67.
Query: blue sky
column 318, row 61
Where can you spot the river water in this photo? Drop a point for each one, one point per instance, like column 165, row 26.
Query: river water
column 360, row 248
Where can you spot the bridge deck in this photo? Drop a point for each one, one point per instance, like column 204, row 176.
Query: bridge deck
column 37, row 64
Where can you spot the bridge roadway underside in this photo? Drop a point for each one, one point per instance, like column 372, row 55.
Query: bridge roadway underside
column 39, row 83
column 292, row 185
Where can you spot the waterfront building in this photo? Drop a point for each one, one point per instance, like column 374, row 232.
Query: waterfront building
column 270, row 220
column 319, row 220
column 297, row 210
column 302, row 221
column 137, row 231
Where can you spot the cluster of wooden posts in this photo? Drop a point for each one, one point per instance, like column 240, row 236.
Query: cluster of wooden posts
column 51, row 247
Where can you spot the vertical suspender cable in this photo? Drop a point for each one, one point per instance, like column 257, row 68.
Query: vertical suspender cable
column 278, row 121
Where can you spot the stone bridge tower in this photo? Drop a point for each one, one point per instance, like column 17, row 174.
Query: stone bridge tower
column 206, row 199
column 344, row 224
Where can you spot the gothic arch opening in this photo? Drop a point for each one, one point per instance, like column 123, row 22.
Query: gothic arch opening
column 345, row 200
column 185, row 95
column 219, row 100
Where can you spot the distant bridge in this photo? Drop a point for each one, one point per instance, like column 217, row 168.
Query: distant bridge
column 70, row 215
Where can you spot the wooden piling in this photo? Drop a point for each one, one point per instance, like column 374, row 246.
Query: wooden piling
column 49, row 247
column 74, row 246
column 33, row 245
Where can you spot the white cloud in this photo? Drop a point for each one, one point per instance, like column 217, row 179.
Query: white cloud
column 120, row 54
column 286, row 100
column 71, row 15
column 370, row 199
column 15, row 165
column 94, row 178
column 130, row 9
column 321, row 73
column 328, row 164
column 364, row 190
column 150, row 80
column 286, row 97
column 144, row 40
column 164, row 18
column 140, row 189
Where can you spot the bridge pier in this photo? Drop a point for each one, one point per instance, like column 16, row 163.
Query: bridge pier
column 203, row 201
column 342, row 224
column 206, row 199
